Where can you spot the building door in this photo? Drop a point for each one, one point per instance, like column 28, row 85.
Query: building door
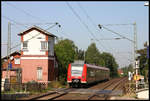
column 51, row 70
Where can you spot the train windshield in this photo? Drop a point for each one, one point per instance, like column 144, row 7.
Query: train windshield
column 76, row 70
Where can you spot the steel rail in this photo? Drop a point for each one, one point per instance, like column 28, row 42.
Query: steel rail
column 49, row 96
column 107, row 92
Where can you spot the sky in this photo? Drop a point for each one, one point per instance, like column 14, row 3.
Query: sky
column 79, row 23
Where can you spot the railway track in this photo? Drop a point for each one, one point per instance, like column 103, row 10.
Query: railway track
column 101, row 91
column 106, row 91
column 51, row 95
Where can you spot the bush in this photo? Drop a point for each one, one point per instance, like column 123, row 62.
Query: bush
column 55, row 84
column 35, row 86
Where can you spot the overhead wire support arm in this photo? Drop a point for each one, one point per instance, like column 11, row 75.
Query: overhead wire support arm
column 101, row 26
column 118, row 24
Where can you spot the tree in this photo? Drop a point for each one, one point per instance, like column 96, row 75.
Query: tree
column 110, row 63
column 126, row 69
column 92, row 55
column 66, row 52
column 79, row 54
column 143, row 61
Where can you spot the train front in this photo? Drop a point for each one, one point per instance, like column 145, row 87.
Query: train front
column 76, row 76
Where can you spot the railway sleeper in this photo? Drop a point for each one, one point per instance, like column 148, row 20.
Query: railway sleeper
column 106, row 96
column 102, row 93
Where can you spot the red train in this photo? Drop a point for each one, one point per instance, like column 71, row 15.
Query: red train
column 80, row 74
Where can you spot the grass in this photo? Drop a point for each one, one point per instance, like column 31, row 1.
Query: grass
column 56, row 84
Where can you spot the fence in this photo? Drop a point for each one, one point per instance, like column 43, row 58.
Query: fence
column 37, row 87
column 130, row 88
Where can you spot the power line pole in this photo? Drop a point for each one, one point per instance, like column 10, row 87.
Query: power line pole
column 6, row 85
column 8, row 46
column 135, row 56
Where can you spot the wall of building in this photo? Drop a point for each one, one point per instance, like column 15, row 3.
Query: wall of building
column 29, row 69
column 10, row 73
column 5, row 64
column 34, row 45
column 35, row 57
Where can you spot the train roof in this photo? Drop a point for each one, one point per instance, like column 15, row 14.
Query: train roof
column 97, row 67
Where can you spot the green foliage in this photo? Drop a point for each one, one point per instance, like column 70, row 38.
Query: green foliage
column 110, row 63
column 126, row 69
column 79, row 54
column 55, row 84
column 66, row 52
column 144, row 61
column 93, row 56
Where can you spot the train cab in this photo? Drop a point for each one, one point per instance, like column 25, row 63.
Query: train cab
column 76, row 74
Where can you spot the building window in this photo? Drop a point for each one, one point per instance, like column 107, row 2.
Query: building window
column 25, row 44
column 39, row 73
column 17, row 60
column 43, row 45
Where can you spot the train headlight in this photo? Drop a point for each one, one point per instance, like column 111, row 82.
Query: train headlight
column 83, row 77
column 69, row 77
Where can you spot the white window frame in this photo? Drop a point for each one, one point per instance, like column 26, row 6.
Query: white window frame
column 39, row 73
column 17, row 60
column 46, row 45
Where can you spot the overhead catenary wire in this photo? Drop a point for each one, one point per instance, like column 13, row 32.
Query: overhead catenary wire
column 30, row 15
column 25, row 12
column 86, row 26
column 33, row 36
column 100, row 26
column 13, row 21
column 86, row 14
column 117, row 24
column 115, row 33
column 26, row 27
column 90, row 19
